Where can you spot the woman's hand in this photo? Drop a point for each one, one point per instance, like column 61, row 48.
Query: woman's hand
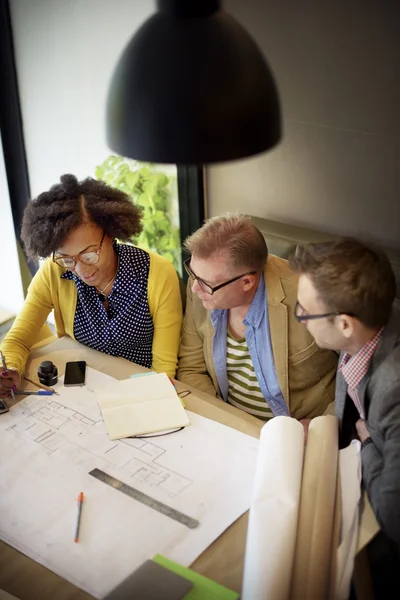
column 8, row 379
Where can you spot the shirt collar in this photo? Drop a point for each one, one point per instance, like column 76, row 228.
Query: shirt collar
column 257, row 307
column 354, row 368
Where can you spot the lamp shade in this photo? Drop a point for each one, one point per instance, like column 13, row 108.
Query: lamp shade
column 192, row 87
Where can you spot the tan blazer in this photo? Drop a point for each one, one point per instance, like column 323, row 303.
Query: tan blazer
column 306, row 373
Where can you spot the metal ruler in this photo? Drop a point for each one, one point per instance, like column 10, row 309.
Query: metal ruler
column 145, row 499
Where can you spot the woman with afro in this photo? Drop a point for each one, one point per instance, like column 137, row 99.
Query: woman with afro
column 111, row 296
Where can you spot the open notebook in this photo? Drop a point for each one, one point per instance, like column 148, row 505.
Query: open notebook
column 140, row 406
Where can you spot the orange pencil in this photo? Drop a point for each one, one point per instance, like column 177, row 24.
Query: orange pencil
column 78, row 517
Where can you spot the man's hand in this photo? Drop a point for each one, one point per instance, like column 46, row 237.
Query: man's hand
column 305, row 423
column 362, row 430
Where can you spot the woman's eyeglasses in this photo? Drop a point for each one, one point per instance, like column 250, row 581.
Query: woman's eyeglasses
column 87, row 258
column 209, row 289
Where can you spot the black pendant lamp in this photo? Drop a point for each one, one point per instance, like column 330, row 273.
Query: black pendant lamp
column 192, row 87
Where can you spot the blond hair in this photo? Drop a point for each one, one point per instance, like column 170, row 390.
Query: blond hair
column 349, row 277
column 235, row 236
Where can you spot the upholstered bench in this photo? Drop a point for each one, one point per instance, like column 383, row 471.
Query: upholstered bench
column 281, row 239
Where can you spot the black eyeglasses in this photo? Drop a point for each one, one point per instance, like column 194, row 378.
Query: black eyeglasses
column 87, row 258
column 209, row 288
column 300, row 316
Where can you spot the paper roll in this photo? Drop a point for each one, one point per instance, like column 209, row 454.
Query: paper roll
column 312, row 563
column 350, row 489
column 271, row 534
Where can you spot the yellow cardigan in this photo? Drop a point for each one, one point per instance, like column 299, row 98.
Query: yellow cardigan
column 48, row 292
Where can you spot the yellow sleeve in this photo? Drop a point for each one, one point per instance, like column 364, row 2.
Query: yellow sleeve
column 166, row 310
column 29, row 321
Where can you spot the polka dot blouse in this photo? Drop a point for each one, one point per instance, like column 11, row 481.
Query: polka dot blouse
column 127, row 328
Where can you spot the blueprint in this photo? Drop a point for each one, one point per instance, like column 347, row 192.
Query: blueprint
column 49, row 446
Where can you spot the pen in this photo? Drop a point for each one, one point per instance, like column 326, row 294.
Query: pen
column 41, row 385
column 3, row 360
column 78, row 517
column 33, row 393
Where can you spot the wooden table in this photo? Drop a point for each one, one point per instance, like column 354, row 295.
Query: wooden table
column 222, row 561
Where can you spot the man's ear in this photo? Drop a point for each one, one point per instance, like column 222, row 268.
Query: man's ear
column 347, row 325
column 248, row 282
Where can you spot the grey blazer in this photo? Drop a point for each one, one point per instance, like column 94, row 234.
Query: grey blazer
column 380, row 398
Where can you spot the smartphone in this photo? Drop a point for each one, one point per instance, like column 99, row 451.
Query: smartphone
column 75, row 373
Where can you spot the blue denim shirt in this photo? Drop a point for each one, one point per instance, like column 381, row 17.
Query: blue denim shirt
column 259, row 344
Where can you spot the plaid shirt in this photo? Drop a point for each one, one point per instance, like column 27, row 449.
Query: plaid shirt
column 354, row 368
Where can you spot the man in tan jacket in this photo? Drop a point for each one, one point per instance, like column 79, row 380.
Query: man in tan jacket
column 240, row 339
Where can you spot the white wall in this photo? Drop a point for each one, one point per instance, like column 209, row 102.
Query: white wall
column 65, row 52
column 337, row 66
column 11, row 291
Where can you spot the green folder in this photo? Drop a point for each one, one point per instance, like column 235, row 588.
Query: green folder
column 204, row 588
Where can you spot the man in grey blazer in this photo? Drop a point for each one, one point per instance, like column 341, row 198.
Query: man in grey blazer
column 346, row 299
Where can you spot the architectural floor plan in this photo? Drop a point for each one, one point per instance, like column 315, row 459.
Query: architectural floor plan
column 69, row 435
column 49, row 446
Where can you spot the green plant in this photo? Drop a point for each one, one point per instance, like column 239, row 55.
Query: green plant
column 150, row 189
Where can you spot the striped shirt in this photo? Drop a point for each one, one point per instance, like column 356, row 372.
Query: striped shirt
column 244, row 391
